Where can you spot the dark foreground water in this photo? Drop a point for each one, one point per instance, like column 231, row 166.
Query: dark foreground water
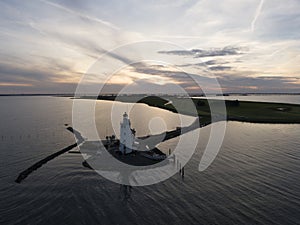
column 255, row 178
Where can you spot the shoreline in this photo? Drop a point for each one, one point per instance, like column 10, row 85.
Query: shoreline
column 240, row 111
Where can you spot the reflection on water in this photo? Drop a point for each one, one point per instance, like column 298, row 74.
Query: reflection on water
column 125, row 192
column 254, row 179
column 108, row 118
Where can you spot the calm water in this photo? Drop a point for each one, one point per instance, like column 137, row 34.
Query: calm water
column 254, row 179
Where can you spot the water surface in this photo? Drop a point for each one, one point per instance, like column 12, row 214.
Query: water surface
column 254, row 179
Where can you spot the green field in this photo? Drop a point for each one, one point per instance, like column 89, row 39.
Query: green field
column 258, row 112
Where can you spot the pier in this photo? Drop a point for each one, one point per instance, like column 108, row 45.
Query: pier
column 40, row 163
column 140, row 160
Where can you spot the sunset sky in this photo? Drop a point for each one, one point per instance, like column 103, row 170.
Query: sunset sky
column 248, row 45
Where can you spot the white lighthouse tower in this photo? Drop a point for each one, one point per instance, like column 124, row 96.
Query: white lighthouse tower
column 127, row 135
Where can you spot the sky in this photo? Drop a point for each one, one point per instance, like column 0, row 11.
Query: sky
column 249, row 46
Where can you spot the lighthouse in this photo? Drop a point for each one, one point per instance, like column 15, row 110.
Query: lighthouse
column 127, row 135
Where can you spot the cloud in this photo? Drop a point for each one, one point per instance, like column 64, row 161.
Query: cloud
column 261, row 84
column 256, row 15
column 20, row 81
column 171, row 76
column 278, row 21
column 83, row 16
column 35, row 75
column 51, row 42
column 199, row 53
column 220, row 68
column 204, row 64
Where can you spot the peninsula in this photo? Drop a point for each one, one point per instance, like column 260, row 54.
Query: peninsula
column 243, row 111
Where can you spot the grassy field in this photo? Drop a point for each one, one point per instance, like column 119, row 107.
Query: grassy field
column 258, row 112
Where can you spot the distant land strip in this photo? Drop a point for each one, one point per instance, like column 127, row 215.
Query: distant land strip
column 144, row 94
